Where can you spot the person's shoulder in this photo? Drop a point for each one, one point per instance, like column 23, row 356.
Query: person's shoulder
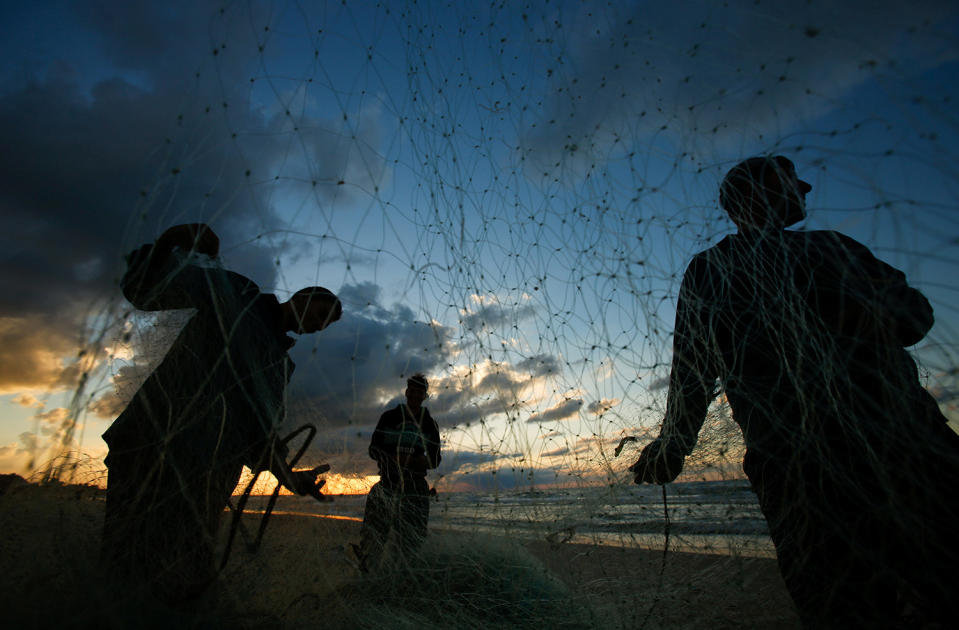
column 239, row 294
column 266, row 305
column 724, row 244
column 825, row 240
column 714, row 252
column 823, row 235
column 392, row 412
column 242, row 285
column 709, row 260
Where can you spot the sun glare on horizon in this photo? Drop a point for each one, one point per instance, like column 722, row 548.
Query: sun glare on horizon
column 335, row 484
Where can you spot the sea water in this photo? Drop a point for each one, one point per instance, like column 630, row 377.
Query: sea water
column 712, row 517
column 704, row 516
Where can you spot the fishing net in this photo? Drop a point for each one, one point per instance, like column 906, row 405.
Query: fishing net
column 505, row 197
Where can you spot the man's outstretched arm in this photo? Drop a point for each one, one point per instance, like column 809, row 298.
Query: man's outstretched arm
column 301, row 482
column 691, row 388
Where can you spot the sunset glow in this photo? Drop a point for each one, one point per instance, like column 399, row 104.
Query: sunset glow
column 335, row 484
column 349, row 484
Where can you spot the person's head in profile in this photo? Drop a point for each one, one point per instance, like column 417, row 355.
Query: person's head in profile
column 417, row 388
column 764, row 194
column 310, row 310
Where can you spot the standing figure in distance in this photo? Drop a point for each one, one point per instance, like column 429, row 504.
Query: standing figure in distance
column 213, row 405
column 853, row 463
column 405, row 444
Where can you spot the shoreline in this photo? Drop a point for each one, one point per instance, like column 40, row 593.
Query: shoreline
column 652, row 542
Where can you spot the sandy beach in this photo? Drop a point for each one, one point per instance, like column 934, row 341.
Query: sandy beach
column 303, row 576
column 688, row 590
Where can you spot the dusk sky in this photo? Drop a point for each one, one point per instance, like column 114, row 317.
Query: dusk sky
column 504, row 196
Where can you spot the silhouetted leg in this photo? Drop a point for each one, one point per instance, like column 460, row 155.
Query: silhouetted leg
column 915, row 473
column 125, row 556
column 829, row 556
column 159, row 532
column 183, row 532
column 119, row 523
column 414, row 515
column 929, row 515
column 378, row 518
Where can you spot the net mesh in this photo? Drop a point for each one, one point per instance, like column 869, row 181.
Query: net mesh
column 505, row 197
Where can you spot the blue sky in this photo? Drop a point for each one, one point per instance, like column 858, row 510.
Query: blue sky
column 505, row 197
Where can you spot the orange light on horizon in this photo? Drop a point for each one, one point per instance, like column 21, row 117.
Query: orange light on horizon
column 348, row 484
column 329, row 517
column 335, row 484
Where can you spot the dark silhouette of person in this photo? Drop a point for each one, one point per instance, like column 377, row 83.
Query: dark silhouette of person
column 853, row 463
column 405, row 444
column 213, row 405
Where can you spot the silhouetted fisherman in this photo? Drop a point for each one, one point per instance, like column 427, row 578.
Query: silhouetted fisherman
column 405, row 444
column 213, row 405
column 853, row 463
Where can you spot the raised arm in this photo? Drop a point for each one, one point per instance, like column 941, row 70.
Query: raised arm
column 157, row 280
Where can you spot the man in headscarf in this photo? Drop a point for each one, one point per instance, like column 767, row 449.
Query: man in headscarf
column 214, row 404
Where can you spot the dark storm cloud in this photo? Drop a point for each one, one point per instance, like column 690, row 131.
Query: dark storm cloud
column 699, row 71
column 145, row 128
column 93, row 167
column 132, row 34
column 31, row 354
column 358, row 367
column 350, row 370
